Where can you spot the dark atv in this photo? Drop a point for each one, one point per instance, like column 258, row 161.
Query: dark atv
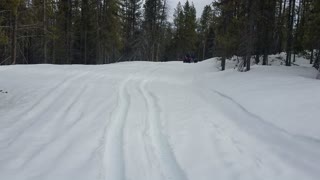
column 189, row 59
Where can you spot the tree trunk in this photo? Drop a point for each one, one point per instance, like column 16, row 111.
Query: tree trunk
column 85, row 47
column 248, row 63
column 311, row 57
column 316, row 62
column 280, row 9
column 223, row 63
column 279, row 28
column 98, row 41
column 244, row 59
column 265, row 59
column 282, row 18
column 290, row 29
column 14, row 38
column 44, row 33
column 257, row 59
column 157, row 52
column 204, row 50
column 250, row 33
column 284, row 6
column 68, row 26
column 288, row 58
column 297, row 31
column 54, row 52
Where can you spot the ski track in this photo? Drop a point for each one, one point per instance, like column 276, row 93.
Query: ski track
column 165, row 157
column 112, row 145
column 73, row 127
column 113, row 152
column 55, row 123
column 157, row 150
column 42, row 105
column 267, row 132
column 63, row 118
column 263, row 121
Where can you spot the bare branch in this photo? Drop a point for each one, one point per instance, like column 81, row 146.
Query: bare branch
column 5, row 60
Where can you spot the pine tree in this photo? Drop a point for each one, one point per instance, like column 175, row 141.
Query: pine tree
column 290, row 23
column 205, row 25
column 13, row 7
column 227, row 29
column 179, row 38
column 311, row 29
column 110, row 32
column 185, row 36
column 267, row 19
column 4, row 34
column 190, row 26
column 64, row 44
column 131, row 14
column 155, row 20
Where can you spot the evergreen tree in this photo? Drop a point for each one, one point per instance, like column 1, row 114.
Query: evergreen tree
column 155, row 20
column 109, row 26
column 311, row 30
column 179, row 38
column 227, row 29
column 13, row 7
column 4, row 34
column 190, row 25
column 131, row 12
column 185, row 36
column 290, row 24
column 206, row 30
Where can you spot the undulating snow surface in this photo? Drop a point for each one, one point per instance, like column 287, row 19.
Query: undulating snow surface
column 159, row 121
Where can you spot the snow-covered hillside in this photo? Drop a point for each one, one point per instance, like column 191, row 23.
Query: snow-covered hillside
column 158, row 121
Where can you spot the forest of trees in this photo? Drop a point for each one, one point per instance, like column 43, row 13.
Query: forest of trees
column 108, row 31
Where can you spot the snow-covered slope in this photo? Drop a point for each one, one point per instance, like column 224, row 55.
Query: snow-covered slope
column 156, row 121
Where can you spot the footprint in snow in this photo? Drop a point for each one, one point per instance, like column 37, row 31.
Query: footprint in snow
column 2, row 91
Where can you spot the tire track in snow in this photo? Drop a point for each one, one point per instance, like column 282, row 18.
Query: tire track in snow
column 51, row 91
column 165, row 157
column 113, row 161
column 266, row 123
column 37, row 102
column 105, row 159
column 229, row 155
column 41, row 106
column 276, row 138
column 232, row 146
column 55, row 122
column 137, row 150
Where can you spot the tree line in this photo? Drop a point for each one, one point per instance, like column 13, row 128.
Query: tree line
column 258, row 28
column 82, row 31
column 108, row 31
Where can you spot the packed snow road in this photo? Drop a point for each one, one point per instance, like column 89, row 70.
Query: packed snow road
column 156, row 121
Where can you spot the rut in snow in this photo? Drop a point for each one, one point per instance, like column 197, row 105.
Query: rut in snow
column 162, row 149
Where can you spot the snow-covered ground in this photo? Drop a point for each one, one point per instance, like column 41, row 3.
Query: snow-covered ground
column 159, row 121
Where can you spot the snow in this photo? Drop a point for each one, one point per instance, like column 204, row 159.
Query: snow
column 143, row 120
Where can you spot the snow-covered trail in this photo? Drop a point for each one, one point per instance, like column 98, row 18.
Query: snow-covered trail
column 140, row 121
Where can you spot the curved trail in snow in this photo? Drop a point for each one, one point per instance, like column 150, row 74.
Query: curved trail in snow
column 113, row 150
column 269, row 136
column 159, row 152
column 165, row 157
column 27, row 118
